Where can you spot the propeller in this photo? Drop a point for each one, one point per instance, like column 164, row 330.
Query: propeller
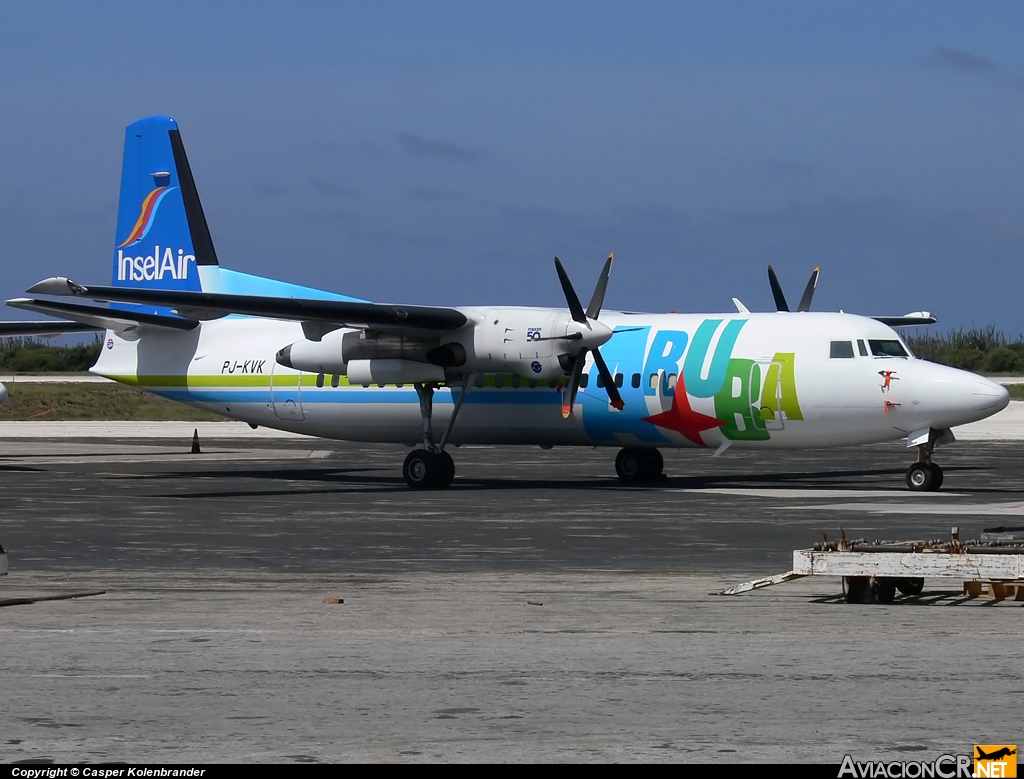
column 591, row 333
column 780, row 297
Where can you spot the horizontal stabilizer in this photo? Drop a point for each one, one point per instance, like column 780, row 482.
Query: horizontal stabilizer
column 86, row 318
column 908, row 320
column 211, row 305
column 44, row 329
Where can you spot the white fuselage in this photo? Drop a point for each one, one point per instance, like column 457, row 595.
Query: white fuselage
column 764, row 380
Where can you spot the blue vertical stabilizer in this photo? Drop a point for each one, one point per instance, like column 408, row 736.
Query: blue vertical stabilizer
column 162, row 238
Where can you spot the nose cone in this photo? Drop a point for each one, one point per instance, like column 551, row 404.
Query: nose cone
column 989, row 395
column 944, row 397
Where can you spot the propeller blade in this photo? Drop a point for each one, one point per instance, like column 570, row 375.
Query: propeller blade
column 609, row 381
column 572, row 387
column 577, row 336
column 597, row 300
column 812, row 284
column 780, row 299
column 575, row 307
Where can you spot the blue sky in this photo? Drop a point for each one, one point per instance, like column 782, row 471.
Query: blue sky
column 444, row 152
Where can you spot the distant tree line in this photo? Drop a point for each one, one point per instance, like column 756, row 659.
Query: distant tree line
column 981, row 350
column 29, row 355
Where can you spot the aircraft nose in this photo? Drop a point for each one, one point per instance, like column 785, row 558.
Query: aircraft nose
column 989, row 395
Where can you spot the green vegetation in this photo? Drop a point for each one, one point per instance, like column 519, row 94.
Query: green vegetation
column 980, row 350
column 99, row 402
column 1016, row 391
column 28, row 355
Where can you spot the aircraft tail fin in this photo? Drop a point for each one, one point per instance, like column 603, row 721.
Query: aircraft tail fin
column 162, row 240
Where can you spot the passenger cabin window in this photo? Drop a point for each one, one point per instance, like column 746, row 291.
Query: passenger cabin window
column 654, row 381
column 618, row 380
column 480, row 380
column 585, row 380
column 635, row 382
column 841, row 350
column 515, row 381
column 887, row 349
column 862, row 347
column 671, row 383
column 499, row 380
column 600, row 381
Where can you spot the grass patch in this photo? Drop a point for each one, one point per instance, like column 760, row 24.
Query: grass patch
column 1016, row 391
column 98, row 402
column 979, row 350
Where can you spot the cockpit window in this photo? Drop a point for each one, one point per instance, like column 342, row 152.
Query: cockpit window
column 862, row 347
column 841, row 349
column 887, row 349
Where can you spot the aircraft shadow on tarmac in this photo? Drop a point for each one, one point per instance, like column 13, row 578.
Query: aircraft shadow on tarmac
column 369, row 479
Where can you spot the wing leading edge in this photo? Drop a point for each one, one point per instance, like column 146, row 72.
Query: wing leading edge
column 213, row 305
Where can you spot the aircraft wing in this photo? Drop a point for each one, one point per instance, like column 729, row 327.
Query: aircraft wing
column 14, row 329
column 211, row 305
column 907, row 320
column 85, row 318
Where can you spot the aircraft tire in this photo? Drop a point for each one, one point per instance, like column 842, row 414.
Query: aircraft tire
column 653, row 465
column 447, row 469
column 936, row 475
column 629, row 464
column 422, row 469
column 912, row 586
column 921, row 477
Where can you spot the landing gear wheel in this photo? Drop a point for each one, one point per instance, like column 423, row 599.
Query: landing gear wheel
column 635, row 465
column 447, row 470
column 629, row 465
column 654, row 464
column 422, row 469
column 921, row 477
column 910, row 586
column 936, row 476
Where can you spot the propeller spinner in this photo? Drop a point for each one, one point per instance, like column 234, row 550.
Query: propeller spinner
column 587, row 337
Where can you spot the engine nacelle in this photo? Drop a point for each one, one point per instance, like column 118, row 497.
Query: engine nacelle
column 337, row 349
column 522, row 341
column 393, row 372
column 323, row 356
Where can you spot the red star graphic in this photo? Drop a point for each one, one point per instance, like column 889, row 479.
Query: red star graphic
column 684, row 419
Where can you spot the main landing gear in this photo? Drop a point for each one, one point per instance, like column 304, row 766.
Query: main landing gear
column 924, row 475
column 635, row 464
column 432, row 467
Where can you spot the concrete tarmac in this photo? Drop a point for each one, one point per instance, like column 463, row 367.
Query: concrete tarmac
column 537, row 611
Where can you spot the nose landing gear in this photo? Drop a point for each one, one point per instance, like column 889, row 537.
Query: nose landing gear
column 924, row 475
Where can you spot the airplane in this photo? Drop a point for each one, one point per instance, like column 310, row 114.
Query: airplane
column 305, row 360
column 1003, row 752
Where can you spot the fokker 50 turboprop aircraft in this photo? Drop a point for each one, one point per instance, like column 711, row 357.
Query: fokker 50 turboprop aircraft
column 315, row 362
